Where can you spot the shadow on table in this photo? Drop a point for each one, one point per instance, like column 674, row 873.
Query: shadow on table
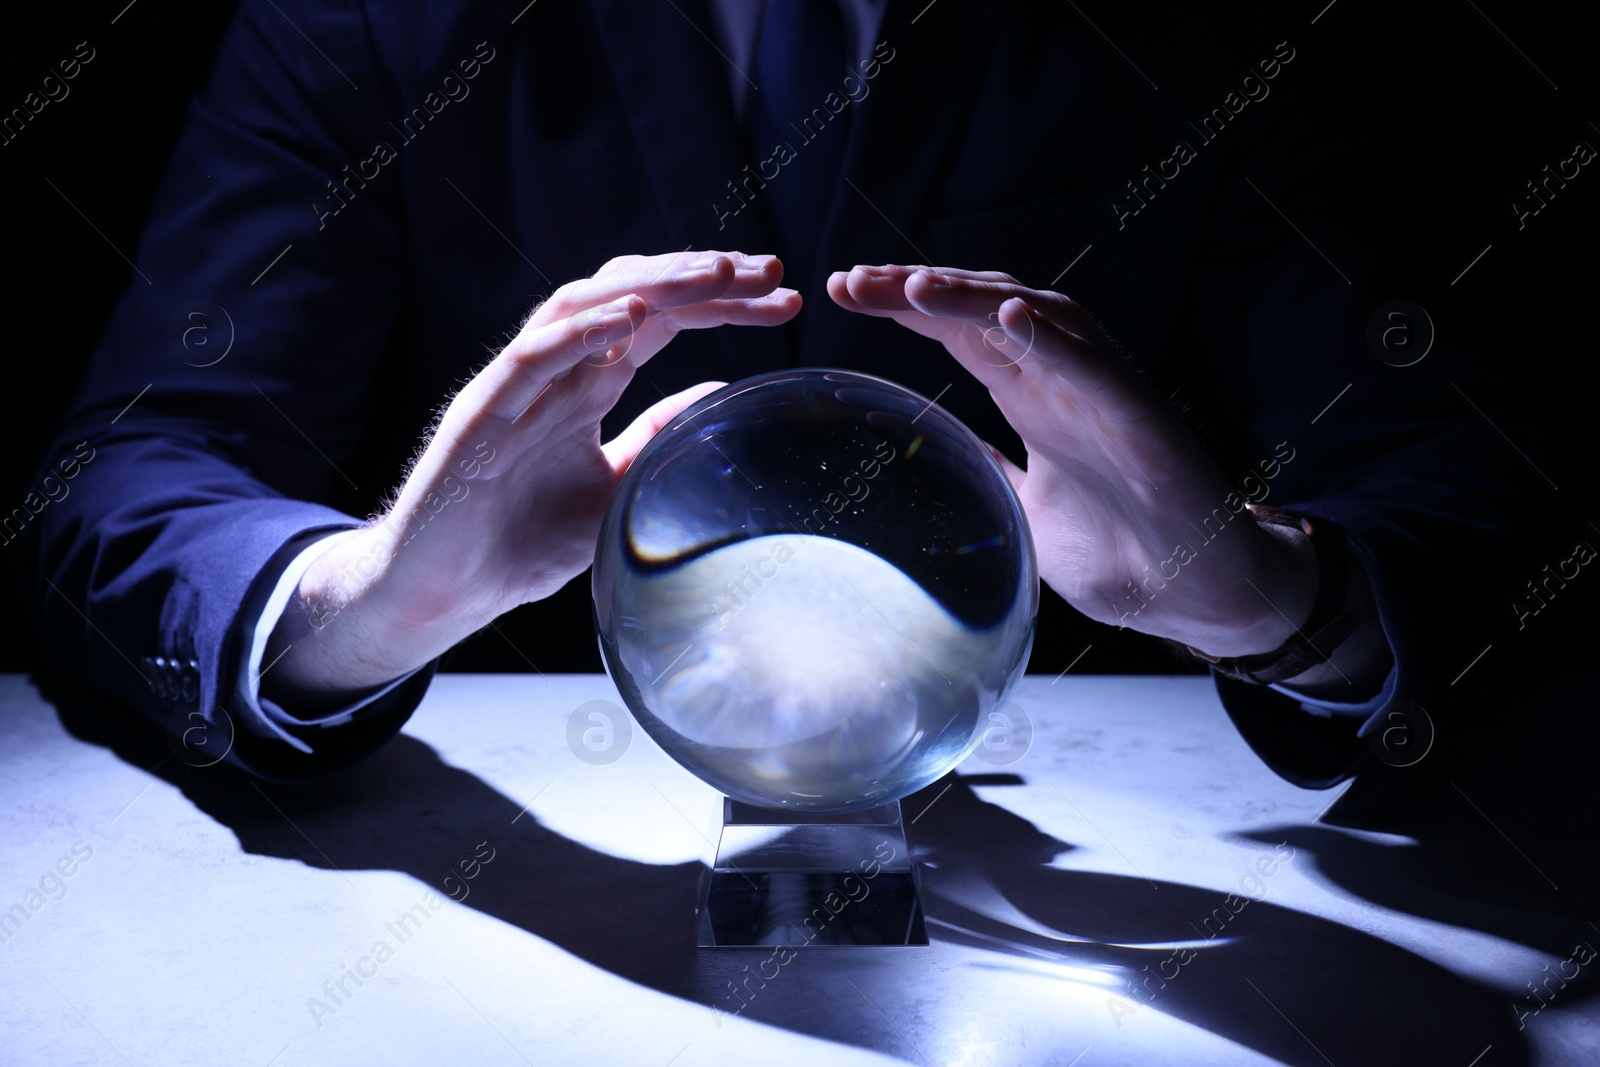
column 1297, row 988
column 1492, row 831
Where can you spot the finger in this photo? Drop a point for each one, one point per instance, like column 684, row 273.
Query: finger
column 976, row 300
column 1087, row 370
column 667, row 281
column 772, row 310
column 540, row 357
column 660, row 327
column 658, row 288
column 874, row 290
column 867, row 296
column 606, row 340
column 904, row 271
column 839, row 291
column 621, row 449
column 843, row 288
column 967, row 298
column 976, row 305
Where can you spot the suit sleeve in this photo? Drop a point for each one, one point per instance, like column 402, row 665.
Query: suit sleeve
column 230, row 383
column 1414, row 462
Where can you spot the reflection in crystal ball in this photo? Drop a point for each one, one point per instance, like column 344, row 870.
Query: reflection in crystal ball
column 811, row 589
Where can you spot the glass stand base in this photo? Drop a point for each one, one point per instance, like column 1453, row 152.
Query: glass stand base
column 785, row 878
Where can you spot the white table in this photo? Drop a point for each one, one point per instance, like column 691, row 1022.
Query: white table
column 214, row 914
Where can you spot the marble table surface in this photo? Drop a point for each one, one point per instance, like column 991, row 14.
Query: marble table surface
column 1130, row 886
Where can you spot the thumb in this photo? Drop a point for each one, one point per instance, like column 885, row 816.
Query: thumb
column 621, row 449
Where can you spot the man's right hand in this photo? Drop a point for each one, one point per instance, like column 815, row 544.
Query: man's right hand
column 504, row 504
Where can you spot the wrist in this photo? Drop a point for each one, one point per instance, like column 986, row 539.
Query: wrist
column 1260, row 605
column 1283, row 592
column 1335, row 643
column 349, row 628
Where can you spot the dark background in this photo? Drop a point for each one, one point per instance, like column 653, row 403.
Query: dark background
column 1457, row 116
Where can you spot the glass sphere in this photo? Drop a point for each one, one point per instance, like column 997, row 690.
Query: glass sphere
column 811, row 589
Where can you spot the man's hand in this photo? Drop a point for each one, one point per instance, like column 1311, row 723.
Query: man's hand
column 1115, row 483
column 504, row 504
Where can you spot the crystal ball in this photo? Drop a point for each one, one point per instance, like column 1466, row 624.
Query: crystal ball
column 811, row 589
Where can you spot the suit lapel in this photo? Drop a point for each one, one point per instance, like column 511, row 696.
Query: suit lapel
column 673, row 83
column 899, row 138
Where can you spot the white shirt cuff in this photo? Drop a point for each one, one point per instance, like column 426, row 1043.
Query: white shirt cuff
column 264, row 716
column 1363, row 709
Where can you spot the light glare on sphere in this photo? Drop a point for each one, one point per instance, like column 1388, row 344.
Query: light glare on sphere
column 811, row 589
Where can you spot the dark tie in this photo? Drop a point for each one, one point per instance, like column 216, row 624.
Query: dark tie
column 795, row 140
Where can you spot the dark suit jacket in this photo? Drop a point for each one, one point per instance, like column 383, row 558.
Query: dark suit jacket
column 369, row 196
